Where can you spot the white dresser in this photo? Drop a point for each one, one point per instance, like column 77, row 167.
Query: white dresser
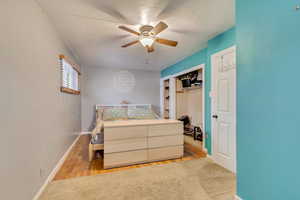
column 140, row 141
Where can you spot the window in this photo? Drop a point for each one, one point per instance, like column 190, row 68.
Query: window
column 70, row 76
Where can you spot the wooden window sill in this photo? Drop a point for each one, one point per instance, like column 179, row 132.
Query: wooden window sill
column 69, row 91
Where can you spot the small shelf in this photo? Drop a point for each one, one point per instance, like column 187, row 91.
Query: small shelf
column 193, row 87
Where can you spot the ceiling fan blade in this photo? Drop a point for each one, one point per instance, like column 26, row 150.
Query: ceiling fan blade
column 159, row 28
column 130, row 43
column 128, row 30
column 150, row 49
column 167, row 42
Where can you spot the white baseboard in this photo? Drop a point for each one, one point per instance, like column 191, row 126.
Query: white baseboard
column 207, row 155
column 55, row 170
column 206, row 151
column 85, row 132
column 236, row 197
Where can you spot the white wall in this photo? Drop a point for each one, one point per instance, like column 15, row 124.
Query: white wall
column 37, row 121
column 99, row 87
column 194, row 106
column 190, row 103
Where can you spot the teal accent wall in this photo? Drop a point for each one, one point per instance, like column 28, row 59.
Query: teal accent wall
column 268, row 122
column 218, row 43
column 196, row 59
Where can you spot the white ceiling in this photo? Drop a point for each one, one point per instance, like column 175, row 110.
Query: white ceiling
column 89, row 28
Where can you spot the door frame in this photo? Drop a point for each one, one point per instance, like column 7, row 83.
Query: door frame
column 173, row 107
column 211, row 94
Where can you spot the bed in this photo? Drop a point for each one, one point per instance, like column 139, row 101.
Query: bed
column 133, row 133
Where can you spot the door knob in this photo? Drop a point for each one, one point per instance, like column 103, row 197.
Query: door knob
column 215, row 116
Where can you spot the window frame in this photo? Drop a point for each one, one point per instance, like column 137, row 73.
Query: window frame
column 63, row 89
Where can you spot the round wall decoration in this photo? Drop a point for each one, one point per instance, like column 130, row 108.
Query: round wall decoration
column 124, row 81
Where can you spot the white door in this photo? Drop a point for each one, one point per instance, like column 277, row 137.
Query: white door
column 224, row 108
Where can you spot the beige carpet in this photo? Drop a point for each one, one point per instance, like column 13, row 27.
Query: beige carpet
column 189, row 180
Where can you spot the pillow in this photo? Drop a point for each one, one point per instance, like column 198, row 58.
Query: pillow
column 115, row 114
column 140, row 113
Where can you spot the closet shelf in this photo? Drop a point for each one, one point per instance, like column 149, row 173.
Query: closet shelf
column 167, row 98
column 192, row 88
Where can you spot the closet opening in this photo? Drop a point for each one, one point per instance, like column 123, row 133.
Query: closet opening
column 189, row 106
column 183, row 98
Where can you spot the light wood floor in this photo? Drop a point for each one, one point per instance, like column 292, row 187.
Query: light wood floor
column 77, row 163
column 190, row 140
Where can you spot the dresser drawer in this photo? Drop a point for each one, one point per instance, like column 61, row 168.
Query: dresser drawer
column 117, row 133
column 112, row 146
column 124, row 158
column 166, row 129
column 165, row 153
column 163, row 141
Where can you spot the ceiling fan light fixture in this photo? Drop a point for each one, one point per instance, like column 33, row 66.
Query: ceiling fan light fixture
column 148, row 36
column 147, row 40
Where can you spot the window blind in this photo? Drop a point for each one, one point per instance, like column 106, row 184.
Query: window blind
column 70, row 77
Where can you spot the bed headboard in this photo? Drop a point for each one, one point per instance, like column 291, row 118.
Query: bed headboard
column 101, row 106
column 132, row 107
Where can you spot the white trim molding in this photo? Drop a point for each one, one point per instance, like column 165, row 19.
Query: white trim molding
column 236, row 197
column 201, row 66
column 85, row 133
column 207, row 155
column 161, row 98
column 210, row 157
column 55, row 170
column 172, row 94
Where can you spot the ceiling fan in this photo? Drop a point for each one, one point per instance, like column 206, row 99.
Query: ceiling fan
column 148, row 35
